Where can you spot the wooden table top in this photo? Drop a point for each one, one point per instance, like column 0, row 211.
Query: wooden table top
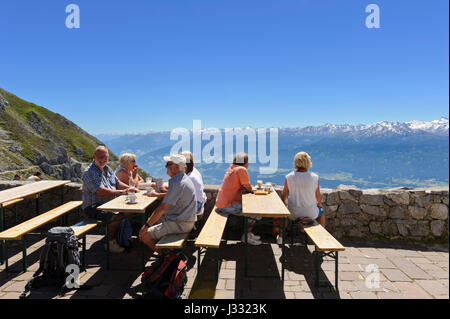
column 29, row 189
column 269, row 205
column 118, row 204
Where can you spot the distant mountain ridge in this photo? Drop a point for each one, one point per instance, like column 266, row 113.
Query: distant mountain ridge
column 378, row 155
column 34, row 138
column 384, row 128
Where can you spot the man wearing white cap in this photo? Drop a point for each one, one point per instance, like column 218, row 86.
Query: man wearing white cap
column 177, row 212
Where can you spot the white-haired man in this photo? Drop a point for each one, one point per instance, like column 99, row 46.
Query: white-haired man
column 177, row 212
column 100, row 185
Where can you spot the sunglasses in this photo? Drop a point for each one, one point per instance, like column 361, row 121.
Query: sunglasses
column 169, row 164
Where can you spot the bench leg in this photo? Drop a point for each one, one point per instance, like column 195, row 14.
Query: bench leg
column 316, row 265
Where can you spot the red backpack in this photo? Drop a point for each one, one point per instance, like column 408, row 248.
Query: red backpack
column 166, row 278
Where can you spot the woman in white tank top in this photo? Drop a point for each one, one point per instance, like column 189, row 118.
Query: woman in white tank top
column 301, row 192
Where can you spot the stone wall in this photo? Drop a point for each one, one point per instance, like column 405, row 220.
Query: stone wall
column 419, row 214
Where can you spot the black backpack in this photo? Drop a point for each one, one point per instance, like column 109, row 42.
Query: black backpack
column 59, row 252
column 166, row 278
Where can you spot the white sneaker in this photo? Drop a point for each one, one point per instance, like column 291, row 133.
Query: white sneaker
column 279, row 240
column 251, row 240
column 114, row 247
column 254, row 236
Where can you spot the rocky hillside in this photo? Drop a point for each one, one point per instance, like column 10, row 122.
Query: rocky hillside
column 34, row 138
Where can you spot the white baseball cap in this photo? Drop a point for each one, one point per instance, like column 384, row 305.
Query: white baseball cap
column 175, row 158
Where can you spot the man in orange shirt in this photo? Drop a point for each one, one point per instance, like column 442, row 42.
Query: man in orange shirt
column 229, row 199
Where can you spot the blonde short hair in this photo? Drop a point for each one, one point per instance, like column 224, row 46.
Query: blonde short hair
column 302, row 160
column 126, row 158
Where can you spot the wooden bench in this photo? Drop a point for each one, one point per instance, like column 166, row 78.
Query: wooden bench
column 18, row 232
column 325, row 245
column 81, row 229
column 173, row 241
column 211, row 235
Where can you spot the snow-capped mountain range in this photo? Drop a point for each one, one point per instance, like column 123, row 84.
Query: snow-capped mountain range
column 380, row 129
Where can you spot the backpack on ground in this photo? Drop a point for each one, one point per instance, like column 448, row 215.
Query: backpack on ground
column 123, row 236
column 59, row 252
column 166, row 278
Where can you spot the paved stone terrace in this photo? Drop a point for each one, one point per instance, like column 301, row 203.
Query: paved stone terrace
column 406, row 271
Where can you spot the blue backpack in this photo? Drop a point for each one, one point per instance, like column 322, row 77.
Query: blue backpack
column 123, row 236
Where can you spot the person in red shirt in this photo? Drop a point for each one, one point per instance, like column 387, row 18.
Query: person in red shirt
column 229, row 199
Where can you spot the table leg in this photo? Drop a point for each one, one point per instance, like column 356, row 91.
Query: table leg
column 107, row 244
column 1, row 229
column 246, row 245
column 282, row 249
column 336, row 271
column 144, row 220
column 16, row 213
column 83, row 256
column 37, row 204
column 5, row 252
column 24, row 253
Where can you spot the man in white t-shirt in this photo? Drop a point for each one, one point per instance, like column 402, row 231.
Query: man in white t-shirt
column 197, row 180
column 35, row 178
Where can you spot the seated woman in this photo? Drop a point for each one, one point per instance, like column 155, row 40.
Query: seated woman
column 128, row 165
column 197, row 180
column 302, row 192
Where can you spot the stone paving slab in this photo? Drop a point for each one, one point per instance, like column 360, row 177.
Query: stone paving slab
column 367, row 270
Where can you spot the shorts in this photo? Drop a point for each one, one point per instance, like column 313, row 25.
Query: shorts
column 320, row 211
column 235, row 209
column 167, row 227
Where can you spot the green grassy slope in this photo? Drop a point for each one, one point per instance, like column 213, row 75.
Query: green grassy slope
column 28, row 131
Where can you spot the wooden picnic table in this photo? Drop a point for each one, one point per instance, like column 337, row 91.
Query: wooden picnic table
column 119, row 204
column 23, row 191
column 264, row 206
column 30, row 189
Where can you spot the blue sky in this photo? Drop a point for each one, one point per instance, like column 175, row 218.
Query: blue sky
column 136, row 66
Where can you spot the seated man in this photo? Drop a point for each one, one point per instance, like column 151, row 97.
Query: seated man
column 177, row 212
column 229, row 199
column 100, row 185
column 35, row 178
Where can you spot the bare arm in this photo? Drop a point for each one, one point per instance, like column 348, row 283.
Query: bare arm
column 106, row 192
column 285, row 194
column 246, row 188
column 157, row 214
column 318, row 196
